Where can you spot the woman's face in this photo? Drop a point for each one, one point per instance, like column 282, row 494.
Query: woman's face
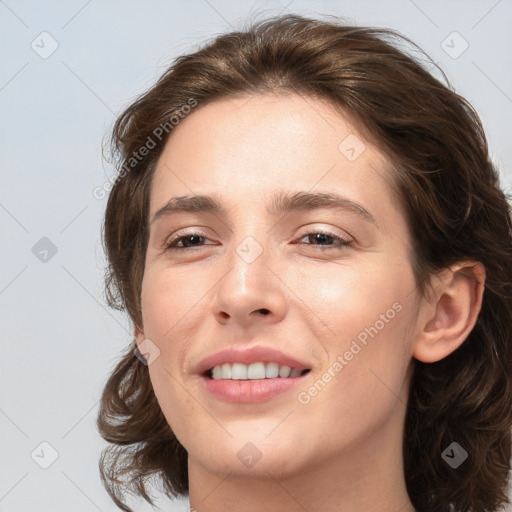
column 317, row 285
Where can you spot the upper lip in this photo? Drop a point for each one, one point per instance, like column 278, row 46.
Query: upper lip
column 248, row 356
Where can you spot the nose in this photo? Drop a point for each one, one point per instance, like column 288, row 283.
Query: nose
column 250, row 291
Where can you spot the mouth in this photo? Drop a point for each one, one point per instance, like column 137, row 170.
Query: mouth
column 254, row 371
column 253, row 374
column 253, row 383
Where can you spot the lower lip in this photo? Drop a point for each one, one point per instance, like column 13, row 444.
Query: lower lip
column 250, row 391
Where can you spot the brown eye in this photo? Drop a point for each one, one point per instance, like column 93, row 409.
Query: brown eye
column 188, row 241
column 324, row 240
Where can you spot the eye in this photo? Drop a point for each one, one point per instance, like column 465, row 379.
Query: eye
column 324, row 238
column 189, row 241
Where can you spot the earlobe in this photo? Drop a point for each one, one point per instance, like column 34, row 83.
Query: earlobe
column 448, row 320
column 138, row 334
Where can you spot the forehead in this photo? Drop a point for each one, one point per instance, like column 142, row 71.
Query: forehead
column 245, row 148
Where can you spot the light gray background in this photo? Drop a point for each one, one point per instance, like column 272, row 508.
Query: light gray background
column 59, row 342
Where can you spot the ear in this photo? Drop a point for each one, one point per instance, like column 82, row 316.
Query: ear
column 449, row 316
column 138, row 334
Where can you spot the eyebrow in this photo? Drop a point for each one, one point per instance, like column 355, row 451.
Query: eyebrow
column 281, row 202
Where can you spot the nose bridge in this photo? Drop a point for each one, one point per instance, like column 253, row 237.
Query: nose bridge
column 249, row 285
column 249, row 252
column 248, row 261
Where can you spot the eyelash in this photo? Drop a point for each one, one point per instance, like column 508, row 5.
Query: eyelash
column 343, row 244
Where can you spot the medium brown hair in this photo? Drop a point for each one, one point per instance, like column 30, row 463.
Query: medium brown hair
column 448, row 189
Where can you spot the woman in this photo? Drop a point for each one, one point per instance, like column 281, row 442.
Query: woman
column 310, row 239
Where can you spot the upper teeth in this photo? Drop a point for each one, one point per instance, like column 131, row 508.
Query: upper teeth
column 239, row 371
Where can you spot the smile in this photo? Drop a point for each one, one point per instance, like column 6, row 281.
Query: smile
column 254, row 371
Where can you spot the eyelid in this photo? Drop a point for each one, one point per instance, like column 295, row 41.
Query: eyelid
column 327, row 231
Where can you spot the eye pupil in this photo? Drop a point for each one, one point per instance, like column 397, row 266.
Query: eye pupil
column 321, row 238
column 188, row 238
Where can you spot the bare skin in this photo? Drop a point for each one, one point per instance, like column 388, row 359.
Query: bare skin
column 338, row 448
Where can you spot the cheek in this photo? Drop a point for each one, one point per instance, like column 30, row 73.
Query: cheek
column 173, row 310
column 368, row 319
column 170, row 299
column 182, row 411
column 364, row 383
column 348, row 299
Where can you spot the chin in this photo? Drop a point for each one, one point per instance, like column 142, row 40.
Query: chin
column 252, row 456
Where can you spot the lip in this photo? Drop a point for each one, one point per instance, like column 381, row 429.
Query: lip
column 248, row 356
column 250, row 391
